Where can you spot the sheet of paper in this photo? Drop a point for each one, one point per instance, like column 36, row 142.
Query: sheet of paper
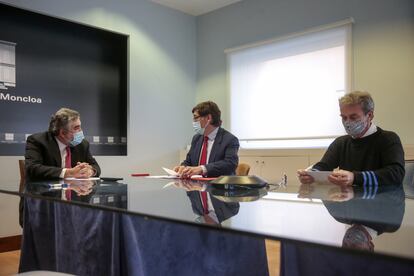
column 170, row 172
column 80, row 179
column 195, row 177
column 161, row 176
column 320, row 176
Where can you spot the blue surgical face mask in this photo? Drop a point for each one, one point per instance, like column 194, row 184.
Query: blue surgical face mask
column 355, row 128
column 77, row 138
column 197, row 128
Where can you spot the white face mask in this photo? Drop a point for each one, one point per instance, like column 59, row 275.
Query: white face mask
column 77, row 138
column 197, row 128
column 355, row 128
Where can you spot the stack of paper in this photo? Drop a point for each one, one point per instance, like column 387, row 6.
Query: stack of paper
column 170, row 174
column 319, row 176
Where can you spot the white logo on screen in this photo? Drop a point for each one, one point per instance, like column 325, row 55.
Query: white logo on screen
column 8, row 74
column 23, row 99
column 7, row 64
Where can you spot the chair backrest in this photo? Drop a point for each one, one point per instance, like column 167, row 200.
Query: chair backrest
column 242, row 169
column 408, row 181
column 22, row 175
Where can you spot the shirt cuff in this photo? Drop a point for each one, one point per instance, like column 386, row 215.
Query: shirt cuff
column 62, row 173
column 204, row 169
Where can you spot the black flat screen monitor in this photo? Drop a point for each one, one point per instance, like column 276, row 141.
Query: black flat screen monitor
column 47, row 63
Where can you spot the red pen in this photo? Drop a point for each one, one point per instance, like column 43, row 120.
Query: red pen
column 140, row 174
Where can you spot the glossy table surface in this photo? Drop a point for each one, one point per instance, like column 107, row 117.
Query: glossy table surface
column 319, row 213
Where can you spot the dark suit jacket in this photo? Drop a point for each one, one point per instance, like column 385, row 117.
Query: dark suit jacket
column 223, row 158
column 43, row 160
column 223, row 210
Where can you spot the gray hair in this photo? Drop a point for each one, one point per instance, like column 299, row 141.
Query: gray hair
column 362, row 98
column 61, row 120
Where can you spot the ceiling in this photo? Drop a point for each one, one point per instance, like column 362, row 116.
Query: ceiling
column 195, row 7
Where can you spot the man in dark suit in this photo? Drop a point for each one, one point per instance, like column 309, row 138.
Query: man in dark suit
column 60, row 152
column 214, row 150
column 222, row 210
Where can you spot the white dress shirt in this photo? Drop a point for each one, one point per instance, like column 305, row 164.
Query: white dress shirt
column 210, row 143
column 372, row 129
column 62, row 150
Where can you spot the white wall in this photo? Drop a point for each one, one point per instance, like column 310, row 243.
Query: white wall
column 383, row 45
column 162, row 76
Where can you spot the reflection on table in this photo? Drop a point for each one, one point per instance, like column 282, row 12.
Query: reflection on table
column 85, row 191
column 329, row 216
column 367, row 212
column 75, row 239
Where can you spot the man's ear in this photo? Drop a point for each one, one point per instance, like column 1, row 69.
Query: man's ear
column 209, row 118
column 371, row 115
column 62, row 132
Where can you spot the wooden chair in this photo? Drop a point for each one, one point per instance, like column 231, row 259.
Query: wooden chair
column 408, row 181
column 242, row 169
column 22, row 175
column 21, row 189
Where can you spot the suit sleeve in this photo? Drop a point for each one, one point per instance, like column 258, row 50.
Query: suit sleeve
column 226, row 166
column 188, row 161
column 34, row 162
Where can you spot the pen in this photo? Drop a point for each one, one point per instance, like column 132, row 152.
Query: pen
column 140, row 174
column 56, row 186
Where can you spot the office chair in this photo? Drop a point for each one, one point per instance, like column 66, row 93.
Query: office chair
column 408, row 181
column 242, row 169
column 21, row 189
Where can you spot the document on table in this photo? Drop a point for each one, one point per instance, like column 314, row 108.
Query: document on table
column 320, row 176
column 82, row 179
column 161, row 176
column 170, row 174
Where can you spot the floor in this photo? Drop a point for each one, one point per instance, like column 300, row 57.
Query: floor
column 273, row 257
column 9, row 261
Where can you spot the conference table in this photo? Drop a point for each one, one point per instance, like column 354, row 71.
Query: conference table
column 155, row 226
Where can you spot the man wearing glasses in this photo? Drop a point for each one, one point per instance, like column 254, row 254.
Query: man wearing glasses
column 213, row 149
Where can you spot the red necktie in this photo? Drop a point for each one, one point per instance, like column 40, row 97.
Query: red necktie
column 203, row 156
column 203, row 161
column 68, row 159
column 68, row 164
